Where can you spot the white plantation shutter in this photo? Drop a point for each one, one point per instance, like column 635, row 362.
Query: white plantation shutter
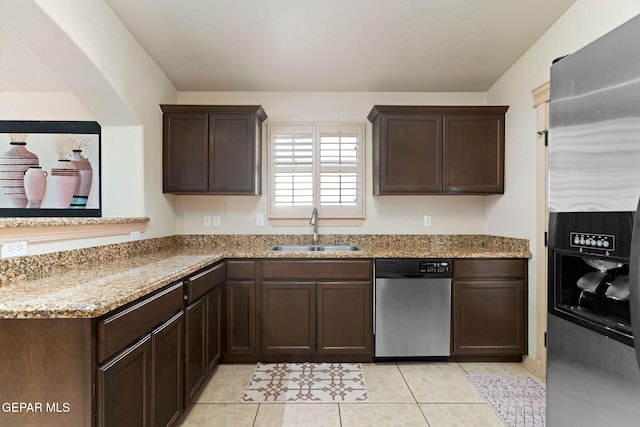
column 341, row 164
column 316, row 165
column 292, row 163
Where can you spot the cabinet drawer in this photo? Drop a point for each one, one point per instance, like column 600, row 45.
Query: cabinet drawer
column 241, row 270
column 201, row 283
column 489, row 268
column 316, row 270
column 119, row 330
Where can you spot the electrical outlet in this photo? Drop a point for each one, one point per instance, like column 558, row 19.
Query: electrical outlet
column 206, row 222
column 135, row 235
column 259, row 220
column 216, row 220
column 14, row 249
column 427, row 220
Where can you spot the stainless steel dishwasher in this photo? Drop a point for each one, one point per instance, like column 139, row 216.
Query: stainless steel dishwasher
column 412, row 308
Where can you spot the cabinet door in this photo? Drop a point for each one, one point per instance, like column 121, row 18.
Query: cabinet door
column 167, row 342
column 408, row 158
column 185, row 152
column 345, row 318
column 233, row 162
column 214, row 327
column 474, row 153
column 240, row 306
column 288, row 318
column 489, row 317
column 124, row 387
column 195, row 347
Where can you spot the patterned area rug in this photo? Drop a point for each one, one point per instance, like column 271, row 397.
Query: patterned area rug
column 306, row 383
column 518, row 401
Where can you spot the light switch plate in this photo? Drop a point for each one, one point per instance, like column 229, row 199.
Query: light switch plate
column 427, row 220
column 14, row 249
column 206, row 221
column 259, row 220
column 216, row 220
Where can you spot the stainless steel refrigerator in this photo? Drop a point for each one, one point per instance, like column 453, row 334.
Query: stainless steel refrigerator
column 593, row 374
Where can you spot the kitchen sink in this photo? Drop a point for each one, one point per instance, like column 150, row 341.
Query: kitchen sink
column 292, row 248
column 337, row 248
column 313, row 248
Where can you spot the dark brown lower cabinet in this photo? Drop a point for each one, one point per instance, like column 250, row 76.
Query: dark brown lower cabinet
column 142, row 385
column 203, row 332
column 489, row 309
column 129, row 367
column 124, row 387
column 195, row 347
column 299, row 310
column 288, row 318
column 203, row 328
column 214, row 327
column 240, row 308
column 168, row 371
column 345, row 316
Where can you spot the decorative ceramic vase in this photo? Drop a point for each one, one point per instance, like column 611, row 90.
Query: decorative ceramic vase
column 62, row 184
column 85, row 178
column 35, row 185
column 13, row 164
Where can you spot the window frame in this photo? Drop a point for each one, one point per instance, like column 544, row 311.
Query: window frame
column 317, row 131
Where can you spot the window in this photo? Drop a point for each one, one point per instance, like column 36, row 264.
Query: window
column 316, row 165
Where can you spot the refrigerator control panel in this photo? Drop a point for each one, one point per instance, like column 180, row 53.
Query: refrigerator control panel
column 605, row 242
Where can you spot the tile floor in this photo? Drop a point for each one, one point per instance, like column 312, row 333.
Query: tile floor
column 400, row 394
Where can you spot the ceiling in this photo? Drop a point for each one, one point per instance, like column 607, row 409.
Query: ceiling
column 337, row 45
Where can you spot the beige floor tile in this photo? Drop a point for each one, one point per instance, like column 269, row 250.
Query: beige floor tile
column 298, row 415
column 385, row 384
column 381, row 414
column 460, row 415
column 445, row 395
column 227, row 385
column 221, row 415
column 439, row 383
column 516, row 369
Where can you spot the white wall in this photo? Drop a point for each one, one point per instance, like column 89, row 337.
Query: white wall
column 514, row 214
column 384, row 214
column 111, row 80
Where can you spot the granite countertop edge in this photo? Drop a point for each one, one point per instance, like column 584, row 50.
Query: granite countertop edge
column 90, row 291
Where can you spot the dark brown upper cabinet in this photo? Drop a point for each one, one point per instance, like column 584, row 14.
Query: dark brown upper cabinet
column 212, row 149
column 438, row 149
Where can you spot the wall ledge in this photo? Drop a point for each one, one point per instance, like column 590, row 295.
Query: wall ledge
column 65, row 228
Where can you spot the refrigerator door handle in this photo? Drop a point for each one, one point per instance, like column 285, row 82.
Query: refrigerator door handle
column 634, row 278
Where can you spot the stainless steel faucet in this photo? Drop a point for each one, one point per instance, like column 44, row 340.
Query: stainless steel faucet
column 314, row 221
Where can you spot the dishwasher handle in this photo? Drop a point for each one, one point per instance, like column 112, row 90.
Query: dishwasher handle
column 413, row 268
column 434, row 275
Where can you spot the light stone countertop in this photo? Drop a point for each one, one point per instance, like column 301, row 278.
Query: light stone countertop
column 66, row 221
column 92, row 291
column 91, row 283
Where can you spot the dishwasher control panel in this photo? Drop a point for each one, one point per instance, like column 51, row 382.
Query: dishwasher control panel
column 412, row 267
column 434, row 266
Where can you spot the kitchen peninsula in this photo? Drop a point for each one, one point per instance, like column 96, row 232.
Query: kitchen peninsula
column 81, row 334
